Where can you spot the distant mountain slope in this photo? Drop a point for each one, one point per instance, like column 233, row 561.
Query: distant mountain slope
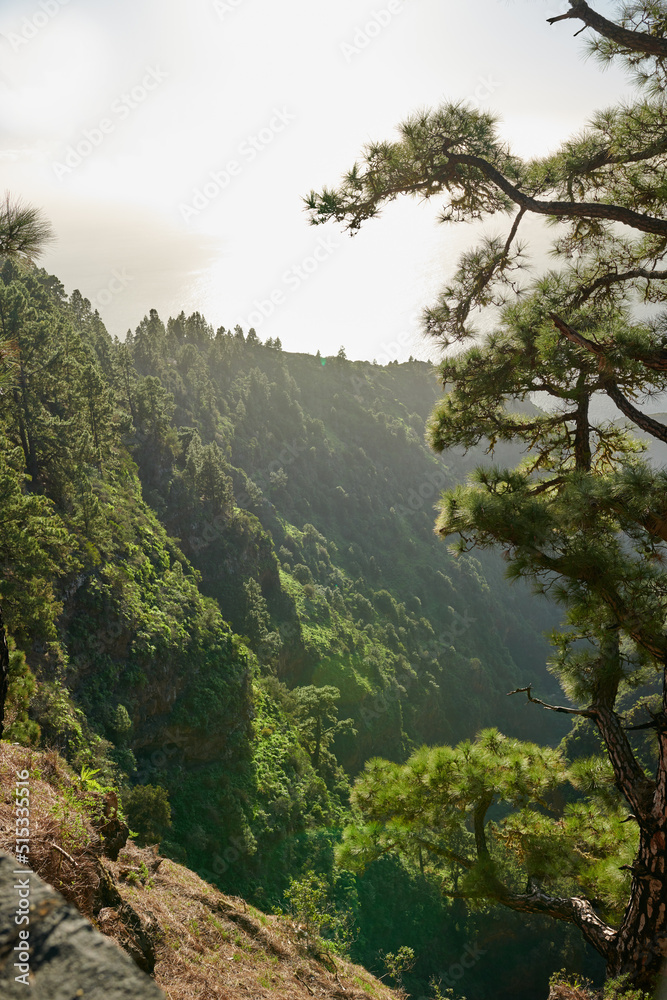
column 340, row 445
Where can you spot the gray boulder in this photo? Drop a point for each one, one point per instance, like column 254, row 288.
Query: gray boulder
column 67, row 957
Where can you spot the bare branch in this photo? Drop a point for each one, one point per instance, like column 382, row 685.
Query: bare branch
column 548, row 484
column 572, row 910
column 587, row 713
column 634, row 41
column 64, row 854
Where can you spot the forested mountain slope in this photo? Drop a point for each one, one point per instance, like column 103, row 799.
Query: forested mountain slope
column 222, row 586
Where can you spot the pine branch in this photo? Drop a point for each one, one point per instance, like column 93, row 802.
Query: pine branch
column 645, row 725
column 548, row 484
column 558, row 209
column 616, row 277
column 630, row 778
column 443, row 852
column 642, row 420
column 656, row 360
column 634, row 41
column 24, row 232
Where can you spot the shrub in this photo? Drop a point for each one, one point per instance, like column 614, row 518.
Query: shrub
column 302, row 573
column 148, row 812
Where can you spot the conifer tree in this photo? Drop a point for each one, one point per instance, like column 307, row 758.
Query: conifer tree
column 583, row 516
column 24, row 235
column 316, row 708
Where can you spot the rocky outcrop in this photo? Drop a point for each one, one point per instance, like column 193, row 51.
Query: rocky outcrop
column 62, row 957
column 138, row 934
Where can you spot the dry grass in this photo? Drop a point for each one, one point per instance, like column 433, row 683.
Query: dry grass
column 64, row 846
column 215, row 947
column 567, row 991
column 207, row 945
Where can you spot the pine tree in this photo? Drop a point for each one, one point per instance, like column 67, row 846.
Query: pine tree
column 316, row 709
column 583, row 516
column 24, row 232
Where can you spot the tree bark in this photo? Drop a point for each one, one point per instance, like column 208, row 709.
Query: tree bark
column 582, row 436
column 572, row 910
column 640, row 947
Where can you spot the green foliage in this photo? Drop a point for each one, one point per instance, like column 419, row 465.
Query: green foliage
column 316, row 712
column 309, row 899
column 148, row 812
column 434, row 808
column 581, row 515
column 24, row 232
column 398, row 963
column 34, row 552
column 121, row 723
column 19, row 727
column 615, row 988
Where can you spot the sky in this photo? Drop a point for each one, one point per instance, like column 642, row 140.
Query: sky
column 171, row 143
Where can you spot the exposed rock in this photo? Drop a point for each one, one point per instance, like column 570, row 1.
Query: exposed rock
column 68, row 958
column 112, row 829
column 138, row 934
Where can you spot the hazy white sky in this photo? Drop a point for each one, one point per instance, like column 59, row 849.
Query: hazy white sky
column 170, row 142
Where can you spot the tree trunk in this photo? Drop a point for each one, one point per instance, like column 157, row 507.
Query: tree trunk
column 640, row 948
column 4, row 672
